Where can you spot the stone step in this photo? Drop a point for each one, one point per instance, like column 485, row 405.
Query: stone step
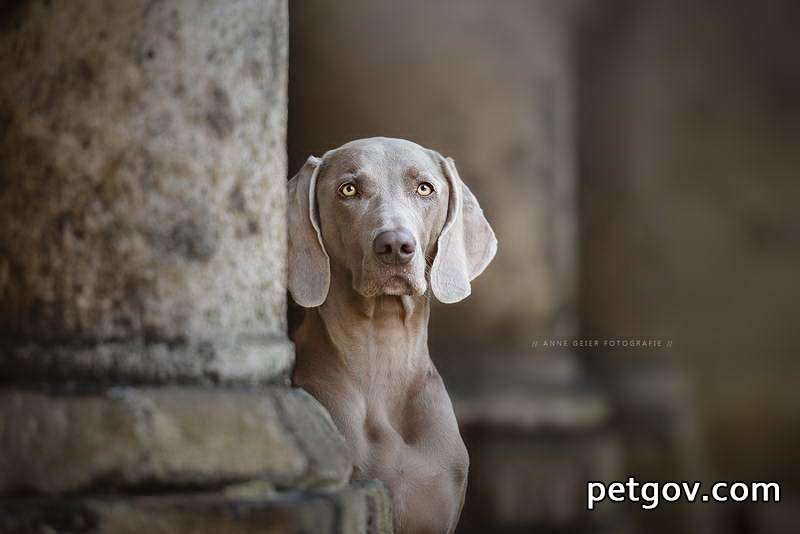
column 358, row 508
column 175, row 437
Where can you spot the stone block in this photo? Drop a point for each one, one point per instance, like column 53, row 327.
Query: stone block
column 133, row 438
column 359, row 508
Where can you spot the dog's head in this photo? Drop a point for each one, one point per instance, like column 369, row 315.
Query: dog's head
column 395, row 215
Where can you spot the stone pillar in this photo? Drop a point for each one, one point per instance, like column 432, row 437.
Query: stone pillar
column 142, row 202
column 143, row 342
column 493, row 85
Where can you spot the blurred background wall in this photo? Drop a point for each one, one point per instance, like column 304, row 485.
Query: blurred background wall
column 638, row 161
column 690, row 167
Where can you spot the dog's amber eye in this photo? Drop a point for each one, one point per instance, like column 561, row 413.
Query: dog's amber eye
column 424, row 189
column 348, row 189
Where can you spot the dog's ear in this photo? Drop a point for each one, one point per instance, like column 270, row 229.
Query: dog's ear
column 466, row 245
column 309, row 265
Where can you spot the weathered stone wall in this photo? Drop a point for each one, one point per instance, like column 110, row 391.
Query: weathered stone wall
column 143, row 346
column 141, row 155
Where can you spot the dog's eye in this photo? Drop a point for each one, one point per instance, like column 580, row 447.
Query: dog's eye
column 348, row 189
column 424, row 189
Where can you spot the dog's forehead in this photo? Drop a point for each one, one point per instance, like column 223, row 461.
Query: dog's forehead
column 381, row 158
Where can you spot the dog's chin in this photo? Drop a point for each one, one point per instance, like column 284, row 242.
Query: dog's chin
column 391, row 284
column 398, row 285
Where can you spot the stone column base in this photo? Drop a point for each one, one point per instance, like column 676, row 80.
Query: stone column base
column 361, row 507
column 178, row 459
column 129, row 439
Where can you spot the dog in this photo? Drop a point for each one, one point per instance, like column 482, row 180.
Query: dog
column 376, row 227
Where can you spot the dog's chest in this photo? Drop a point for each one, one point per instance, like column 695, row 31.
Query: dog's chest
column 420, row 457
column 415, row 435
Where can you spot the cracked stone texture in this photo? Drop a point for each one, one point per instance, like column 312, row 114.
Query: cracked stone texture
column 142, row 177
column 359, row 508
column 134, row 438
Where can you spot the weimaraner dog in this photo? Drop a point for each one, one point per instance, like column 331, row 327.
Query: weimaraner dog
column 372, row 226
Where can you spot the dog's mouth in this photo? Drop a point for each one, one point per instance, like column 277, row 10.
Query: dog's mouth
column 391, row 280
column 398, row 285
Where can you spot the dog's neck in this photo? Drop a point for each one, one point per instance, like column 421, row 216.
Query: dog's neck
column 371, row 336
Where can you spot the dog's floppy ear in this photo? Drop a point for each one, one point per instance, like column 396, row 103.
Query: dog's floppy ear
column 309, row 265
column 466, row 245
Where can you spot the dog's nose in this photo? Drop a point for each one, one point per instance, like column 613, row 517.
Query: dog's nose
column 395, row 246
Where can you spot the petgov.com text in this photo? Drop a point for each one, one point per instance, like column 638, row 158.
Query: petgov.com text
column 651, row 494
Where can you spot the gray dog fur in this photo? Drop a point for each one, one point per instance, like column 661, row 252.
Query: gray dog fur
column 362, row 347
